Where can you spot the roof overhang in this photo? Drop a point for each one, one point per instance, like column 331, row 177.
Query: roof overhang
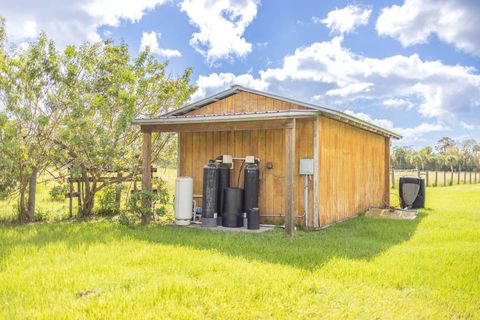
column 179, row 116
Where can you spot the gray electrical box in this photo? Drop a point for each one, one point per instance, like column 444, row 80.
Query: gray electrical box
column 306, row 166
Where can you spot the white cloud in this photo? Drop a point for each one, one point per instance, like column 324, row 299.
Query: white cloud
column 221, row 27
column 150, row 39
column 397, row 103
column 468, row 126
column 215, row 82
column 434, row 89
column 70, row 21
column 410, row 135
column 351, row 89
column 345, row 20
column 455, row 22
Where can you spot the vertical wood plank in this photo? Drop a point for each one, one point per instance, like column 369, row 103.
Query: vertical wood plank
column 289, row 180
column 387, row 172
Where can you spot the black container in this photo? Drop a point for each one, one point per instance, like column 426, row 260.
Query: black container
column 419, row 201
column 232, row 207
column 251, row 175
column 210, row 193
column 253, row 217
column 223, row 182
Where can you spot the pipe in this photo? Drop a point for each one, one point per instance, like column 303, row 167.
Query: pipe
column 305, row 199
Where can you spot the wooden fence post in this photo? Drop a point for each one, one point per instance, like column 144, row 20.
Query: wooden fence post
column 465, row 177
column 436, row 178
column 426, row 178
column 458, row 176
column 444, row 178
column 70, row 200
column 451, row 178
column 470, row 177
column 475, row 175
column 393, row 178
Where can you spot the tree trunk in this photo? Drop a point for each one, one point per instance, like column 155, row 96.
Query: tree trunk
column 118, row 192
column 22, row 211
column 89, row 194
column 32, row 191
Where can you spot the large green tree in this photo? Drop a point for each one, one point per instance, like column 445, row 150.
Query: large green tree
column 105, row 89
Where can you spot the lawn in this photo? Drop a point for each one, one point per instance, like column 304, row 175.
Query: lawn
column 364, row 268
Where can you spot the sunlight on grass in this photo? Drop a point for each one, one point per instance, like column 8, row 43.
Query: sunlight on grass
column 363, row 268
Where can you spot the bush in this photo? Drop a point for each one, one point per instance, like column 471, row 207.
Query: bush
column 107, row 200
column 58, row 192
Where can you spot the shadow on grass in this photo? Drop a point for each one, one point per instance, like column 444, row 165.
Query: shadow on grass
column 361, row 238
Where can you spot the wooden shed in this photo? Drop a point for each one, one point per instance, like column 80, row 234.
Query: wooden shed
column 350, row 156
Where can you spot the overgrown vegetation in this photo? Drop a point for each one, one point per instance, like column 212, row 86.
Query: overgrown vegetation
column 364, row 268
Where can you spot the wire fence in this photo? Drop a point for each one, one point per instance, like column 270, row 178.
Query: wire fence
column 436, row 178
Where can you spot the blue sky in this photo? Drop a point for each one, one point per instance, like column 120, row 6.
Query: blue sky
column 411, row 66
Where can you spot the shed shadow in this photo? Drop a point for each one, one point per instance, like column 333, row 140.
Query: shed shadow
column 361, row 238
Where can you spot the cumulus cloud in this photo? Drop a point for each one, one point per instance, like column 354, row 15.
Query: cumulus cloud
column 221, row 27
column 329, row 74
column 455, row 22
column 71, row 21
column 215, row 82
column 397, row 103
column 345, row 20
column 410, row 135
column 150, row 39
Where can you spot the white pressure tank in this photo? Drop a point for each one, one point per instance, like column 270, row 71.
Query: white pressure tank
column 183, row 200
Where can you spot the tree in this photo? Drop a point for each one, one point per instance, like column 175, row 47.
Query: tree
column 445, row 144
column 105, row 89
column 27, row 83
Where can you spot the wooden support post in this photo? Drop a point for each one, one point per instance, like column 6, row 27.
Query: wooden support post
column 458, row 178
column 70, row 200
column 146, row 171
column 465, row 176
column 444, row 178
column 290, row 180
column 79, row 189
column 386, row 194
column 470, row 177
column 426, row 178
column 436, row 178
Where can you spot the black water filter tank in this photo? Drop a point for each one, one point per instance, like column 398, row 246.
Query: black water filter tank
column 223, row 182
column 232, row 207
column 251, row 182
column 210, row 193
column 253, row 218
column 412, row 192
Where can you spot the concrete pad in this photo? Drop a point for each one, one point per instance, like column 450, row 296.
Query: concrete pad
column 198, row 225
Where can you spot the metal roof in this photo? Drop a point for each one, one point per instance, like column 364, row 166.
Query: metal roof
column 178, row 115
column 227, row 117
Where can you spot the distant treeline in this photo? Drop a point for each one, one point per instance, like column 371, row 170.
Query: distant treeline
column 446, row 155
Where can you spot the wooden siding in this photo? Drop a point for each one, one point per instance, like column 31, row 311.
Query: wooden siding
column 196, row 148
column 351, row 165
column 245, row 102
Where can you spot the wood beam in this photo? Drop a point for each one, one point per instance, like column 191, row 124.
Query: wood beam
column 290, row 179
column 146, row 171
column 220, row 126
column 386, row 196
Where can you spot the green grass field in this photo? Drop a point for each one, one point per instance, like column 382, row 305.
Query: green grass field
column 367, row 268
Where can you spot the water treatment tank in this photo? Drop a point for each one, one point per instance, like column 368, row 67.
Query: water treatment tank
column 209, row 196
column 251, row 186
column 223, row 182
column 183, row 200
column 232, row 207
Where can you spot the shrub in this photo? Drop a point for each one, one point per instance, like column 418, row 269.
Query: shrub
column 58, row 192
